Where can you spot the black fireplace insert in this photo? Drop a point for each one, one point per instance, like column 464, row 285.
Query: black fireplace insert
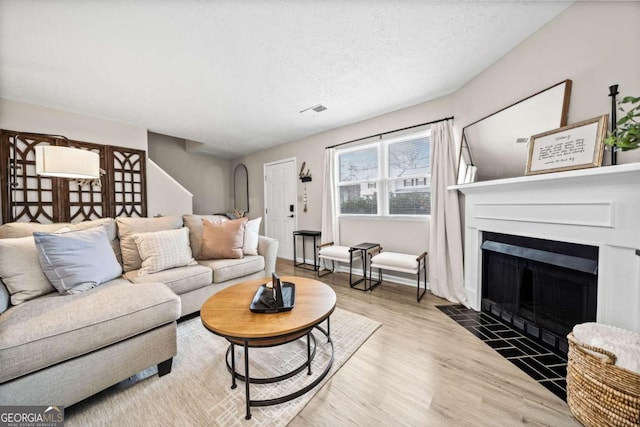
column 542, row 287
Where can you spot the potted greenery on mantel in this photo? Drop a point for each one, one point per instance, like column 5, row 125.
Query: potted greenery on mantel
column 627, row 133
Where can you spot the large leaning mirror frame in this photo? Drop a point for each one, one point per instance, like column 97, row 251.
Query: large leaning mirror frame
column 497, row 146
column 241, row 188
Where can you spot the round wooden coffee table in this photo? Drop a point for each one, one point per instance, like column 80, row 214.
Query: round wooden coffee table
column 227, row 314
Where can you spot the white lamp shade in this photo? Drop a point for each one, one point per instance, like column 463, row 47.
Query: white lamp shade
column 67, row 162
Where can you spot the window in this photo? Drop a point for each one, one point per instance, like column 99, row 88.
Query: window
column 358, row 181
column 390, row 177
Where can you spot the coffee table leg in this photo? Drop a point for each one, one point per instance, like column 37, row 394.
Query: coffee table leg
column 233, row 366
column 246, row 380
column 328, row 329
column 309, row 353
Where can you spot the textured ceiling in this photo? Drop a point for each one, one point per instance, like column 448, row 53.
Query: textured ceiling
column 235, row 74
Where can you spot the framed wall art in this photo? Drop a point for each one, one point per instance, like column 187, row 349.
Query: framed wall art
column 576, row 146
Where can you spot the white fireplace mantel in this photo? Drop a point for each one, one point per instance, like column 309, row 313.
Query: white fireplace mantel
column 598, row 207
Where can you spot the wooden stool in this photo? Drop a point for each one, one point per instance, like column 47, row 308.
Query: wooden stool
column 403, row 263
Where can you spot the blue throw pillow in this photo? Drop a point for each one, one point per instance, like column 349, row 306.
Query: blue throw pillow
column 4, row 297
column 77, row 261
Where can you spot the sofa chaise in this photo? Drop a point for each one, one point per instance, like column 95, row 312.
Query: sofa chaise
column 58, row 349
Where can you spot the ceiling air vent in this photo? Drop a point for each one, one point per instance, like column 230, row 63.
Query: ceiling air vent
column 317, row 108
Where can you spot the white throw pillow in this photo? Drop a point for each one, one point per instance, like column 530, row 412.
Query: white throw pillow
column 161, row 250
column 251, row 233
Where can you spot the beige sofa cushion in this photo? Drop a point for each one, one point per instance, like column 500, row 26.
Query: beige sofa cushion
column 227, row 269
column 20, row 269
column 127, row 227
column 24, row 229
column 179, row 279
column 194, row 224
column 54, row 328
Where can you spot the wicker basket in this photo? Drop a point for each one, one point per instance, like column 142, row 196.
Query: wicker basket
column 598, row 392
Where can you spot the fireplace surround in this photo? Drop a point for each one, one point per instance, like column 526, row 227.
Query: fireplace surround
column 598, row 207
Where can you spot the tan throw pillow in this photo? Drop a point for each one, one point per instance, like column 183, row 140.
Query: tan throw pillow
column 161, row 250
column 128, row 226
column 222, row 240
column 194, row 224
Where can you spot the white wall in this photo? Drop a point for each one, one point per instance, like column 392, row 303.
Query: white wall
column 587, row 43
column 166, row 196
column 312, row 149
column 23, row 117
column 19, row 116
column 595, row 44
column 207, row 177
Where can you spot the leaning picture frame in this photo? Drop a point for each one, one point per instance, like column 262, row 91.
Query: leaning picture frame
column 577, row 146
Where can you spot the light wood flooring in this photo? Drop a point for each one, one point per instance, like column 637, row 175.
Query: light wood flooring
column 422, row 369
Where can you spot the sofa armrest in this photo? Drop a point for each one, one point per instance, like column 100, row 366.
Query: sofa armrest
column 268, row 248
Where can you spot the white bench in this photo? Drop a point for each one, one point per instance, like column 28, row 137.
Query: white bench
column 403, row 263
column 331, row 252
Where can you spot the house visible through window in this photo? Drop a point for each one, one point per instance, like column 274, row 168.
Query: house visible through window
column 389, row 177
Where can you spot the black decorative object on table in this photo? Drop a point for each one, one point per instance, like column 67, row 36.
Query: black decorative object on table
column 281, row 296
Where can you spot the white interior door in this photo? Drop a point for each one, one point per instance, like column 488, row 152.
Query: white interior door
column 280, row 204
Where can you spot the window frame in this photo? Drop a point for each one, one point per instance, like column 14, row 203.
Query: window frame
column 383, row 179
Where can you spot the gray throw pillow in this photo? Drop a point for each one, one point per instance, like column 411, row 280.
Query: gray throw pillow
column 78, row 260
column 4, row 297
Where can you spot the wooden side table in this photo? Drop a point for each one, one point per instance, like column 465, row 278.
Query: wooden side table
column 306, row 233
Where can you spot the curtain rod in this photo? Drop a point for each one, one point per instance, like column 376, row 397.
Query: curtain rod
column 391, row 131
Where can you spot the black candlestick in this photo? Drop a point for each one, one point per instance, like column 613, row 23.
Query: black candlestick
column 613, row 91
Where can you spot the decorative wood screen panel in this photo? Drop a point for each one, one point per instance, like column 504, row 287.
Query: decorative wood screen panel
column 128, row 172
column 27, row 197
column 85, row 202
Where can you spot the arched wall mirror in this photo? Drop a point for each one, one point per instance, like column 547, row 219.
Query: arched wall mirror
column 497, row 146
column 241, row 188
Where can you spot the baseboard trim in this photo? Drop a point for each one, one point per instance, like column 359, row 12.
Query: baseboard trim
column 385, row 276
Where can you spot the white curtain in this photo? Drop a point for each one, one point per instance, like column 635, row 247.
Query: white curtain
column 446, row 277
column 330, row 227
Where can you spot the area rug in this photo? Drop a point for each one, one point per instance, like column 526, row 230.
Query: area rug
column 198, row 390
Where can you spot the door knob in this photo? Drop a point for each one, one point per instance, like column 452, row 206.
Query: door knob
column 291, row 216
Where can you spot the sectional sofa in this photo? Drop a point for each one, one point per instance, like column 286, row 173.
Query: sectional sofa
column 62, row 340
